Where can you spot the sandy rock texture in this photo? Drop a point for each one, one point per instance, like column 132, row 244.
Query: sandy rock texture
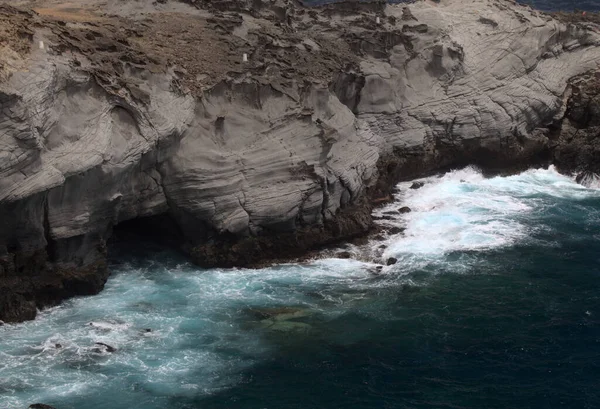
column 117, row 111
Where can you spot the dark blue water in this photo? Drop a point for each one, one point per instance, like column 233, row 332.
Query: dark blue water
column 494, row 303
column 564, row 5
column 547, row 5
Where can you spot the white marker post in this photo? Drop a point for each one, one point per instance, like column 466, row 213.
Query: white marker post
column 378, row 20
column 41, row 45
column 245, row 57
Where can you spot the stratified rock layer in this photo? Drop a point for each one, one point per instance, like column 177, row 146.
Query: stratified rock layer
column 137, row 110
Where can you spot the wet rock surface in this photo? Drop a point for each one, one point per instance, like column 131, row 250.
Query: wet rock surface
column 344, row 255
column 127, row 110
column 396, row 230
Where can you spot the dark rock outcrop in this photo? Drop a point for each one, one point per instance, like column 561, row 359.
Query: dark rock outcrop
column 344, row 255
column 577, row 137
column 396, row 230
column 104, row 347
column 107, row 117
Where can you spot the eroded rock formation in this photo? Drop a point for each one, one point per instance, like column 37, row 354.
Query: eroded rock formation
column 125, row 110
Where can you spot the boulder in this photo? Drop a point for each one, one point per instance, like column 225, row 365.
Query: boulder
column 396, row 230
column 344, row 255
column 105, row 347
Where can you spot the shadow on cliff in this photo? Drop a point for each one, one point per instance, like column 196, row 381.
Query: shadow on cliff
column 144, row 237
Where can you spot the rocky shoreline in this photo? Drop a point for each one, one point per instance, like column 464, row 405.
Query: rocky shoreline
column 148, row 111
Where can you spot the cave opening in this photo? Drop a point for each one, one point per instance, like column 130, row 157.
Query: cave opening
column 141, row 237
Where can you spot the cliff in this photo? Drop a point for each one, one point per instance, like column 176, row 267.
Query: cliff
column 145, row 111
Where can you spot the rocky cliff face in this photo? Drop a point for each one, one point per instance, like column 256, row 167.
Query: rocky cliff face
column 121, row 111
column 577, row 137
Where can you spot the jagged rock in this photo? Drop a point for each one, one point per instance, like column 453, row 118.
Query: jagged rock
column 376, row 271
column 140, row 115
column 344, row 255
column 396, row 230
column 106, row 347
column 417, row 185
column 578, row 137
column 589, row 179
column 14, row 307
column 391, row 261
column 404, row 210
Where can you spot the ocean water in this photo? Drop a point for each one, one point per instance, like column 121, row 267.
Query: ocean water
column 564, row 5
column 494, row 303
column 547, row 5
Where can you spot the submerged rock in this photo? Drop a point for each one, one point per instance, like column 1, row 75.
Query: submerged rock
column 279, row 313
column 286, row 326
column 283, row 319
column 417, row 185
column 404, row 210
column 376, row 270
column 391, row 261
column 105, row 347
column 410, row 288
column 41, row 406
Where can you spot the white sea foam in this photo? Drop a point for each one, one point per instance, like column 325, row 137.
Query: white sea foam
column 464, row 211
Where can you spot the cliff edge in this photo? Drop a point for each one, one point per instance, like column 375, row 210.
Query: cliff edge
column 250, row 130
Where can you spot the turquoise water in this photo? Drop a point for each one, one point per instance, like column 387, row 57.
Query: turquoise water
column 494, row 303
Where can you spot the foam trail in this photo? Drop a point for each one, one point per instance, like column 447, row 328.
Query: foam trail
column 464, row 211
